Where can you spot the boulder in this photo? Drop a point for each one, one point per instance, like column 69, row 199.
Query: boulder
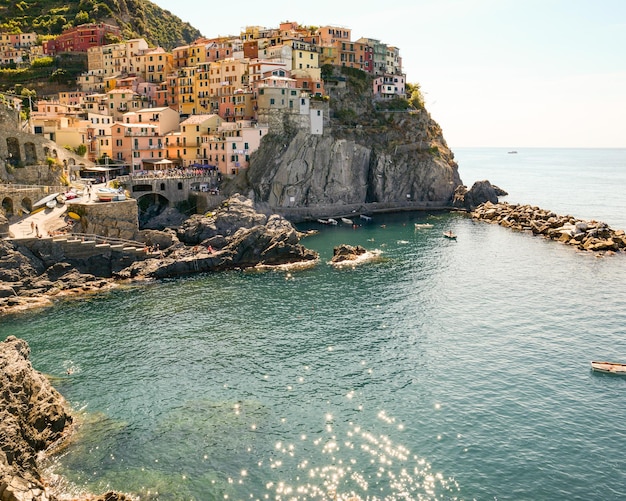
column 480, row 192
column 346, row 252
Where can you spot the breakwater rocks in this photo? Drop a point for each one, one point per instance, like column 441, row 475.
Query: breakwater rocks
column 584, row 235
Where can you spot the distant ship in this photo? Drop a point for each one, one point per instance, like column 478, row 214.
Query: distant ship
column 512, row 152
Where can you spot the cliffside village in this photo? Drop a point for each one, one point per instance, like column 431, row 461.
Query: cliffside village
column 203, row 105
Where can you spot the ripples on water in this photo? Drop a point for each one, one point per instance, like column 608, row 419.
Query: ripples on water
column 448, row 370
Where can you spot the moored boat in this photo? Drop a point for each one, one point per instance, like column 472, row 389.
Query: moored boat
column 345, row 220
column 423, row 226
column 332, row 221
column 609, row 367
column 449, row 234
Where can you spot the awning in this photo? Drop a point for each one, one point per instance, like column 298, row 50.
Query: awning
column 100, row 168
column 161, row 161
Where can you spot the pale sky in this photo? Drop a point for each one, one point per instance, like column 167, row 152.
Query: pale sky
column 511, row 73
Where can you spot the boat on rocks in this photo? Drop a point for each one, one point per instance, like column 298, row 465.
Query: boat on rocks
column 609, row 367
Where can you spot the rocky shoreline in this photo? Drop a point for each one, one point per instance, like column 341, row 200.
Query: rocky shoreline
column 592, row 236
column 235, row 236
column 34, row 418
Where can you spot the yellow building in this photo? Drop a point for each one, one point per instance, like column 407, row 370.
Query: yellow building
column 186, row 90
column 195, row 131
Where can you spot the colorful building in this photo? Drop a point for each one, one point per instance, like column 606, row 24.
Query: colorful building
column 81, row 38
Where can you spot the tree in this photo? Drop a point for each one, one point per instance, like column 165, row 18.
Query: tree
column 414, row 95
column 81, row 18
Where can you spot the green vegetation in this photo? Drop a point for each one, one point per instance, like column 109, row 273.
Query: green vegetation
column 136, row 18
column 415, row 96
column 396, row 104
column 63, row 69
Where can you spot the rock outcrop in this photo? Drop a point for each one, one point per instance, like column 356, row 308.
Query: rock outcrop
column 346, row 252
column 353, row 168
column 33, row 416
column 366, row 154
column 584, row 235
column 479, row 193
column 235, row 236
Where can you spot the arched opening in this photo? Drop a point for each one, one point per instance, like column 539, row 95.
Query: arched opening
column 7, row 206
column 27, row 204
column 150, row 206
column 30, row 154
column 14, row 157
column 180, row 185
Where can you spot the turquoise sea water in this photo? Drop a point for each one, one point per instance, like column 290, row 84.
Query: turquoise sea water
column 447, row 370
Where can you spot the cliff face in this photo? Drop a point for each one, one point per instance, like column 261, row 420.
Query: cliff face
column 405, row 160
column 365, row 155
column 33, row 415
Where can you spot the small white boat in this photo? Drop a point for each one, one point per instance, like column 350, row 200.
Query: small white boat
column 323, row 221
column 345, row 220
column 45, row 200
column 109, row 194
column 423, row 226
column 332, row 221
column 449, row 234
column 609, row 367
column 51, row 204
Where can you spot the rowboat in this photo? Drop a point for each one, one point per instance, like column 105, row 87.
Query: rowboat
column 449, row 234
column 609, row 367
column 45, row 200
column 73, row 215
column 51, row 204
column 345, row 220
column 423, row 226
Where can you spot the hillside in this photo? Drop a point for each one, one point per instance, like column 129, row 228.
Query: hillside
column 136, row 18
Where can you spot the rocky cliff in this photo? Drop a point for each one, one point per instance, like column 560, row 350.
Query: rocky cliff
column 33, row 418
column 33, row 415
column 372, row 157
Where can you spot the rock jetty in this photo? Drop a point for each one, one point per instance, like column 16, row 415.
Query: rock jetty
column 33, row 418
column 584, row 235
